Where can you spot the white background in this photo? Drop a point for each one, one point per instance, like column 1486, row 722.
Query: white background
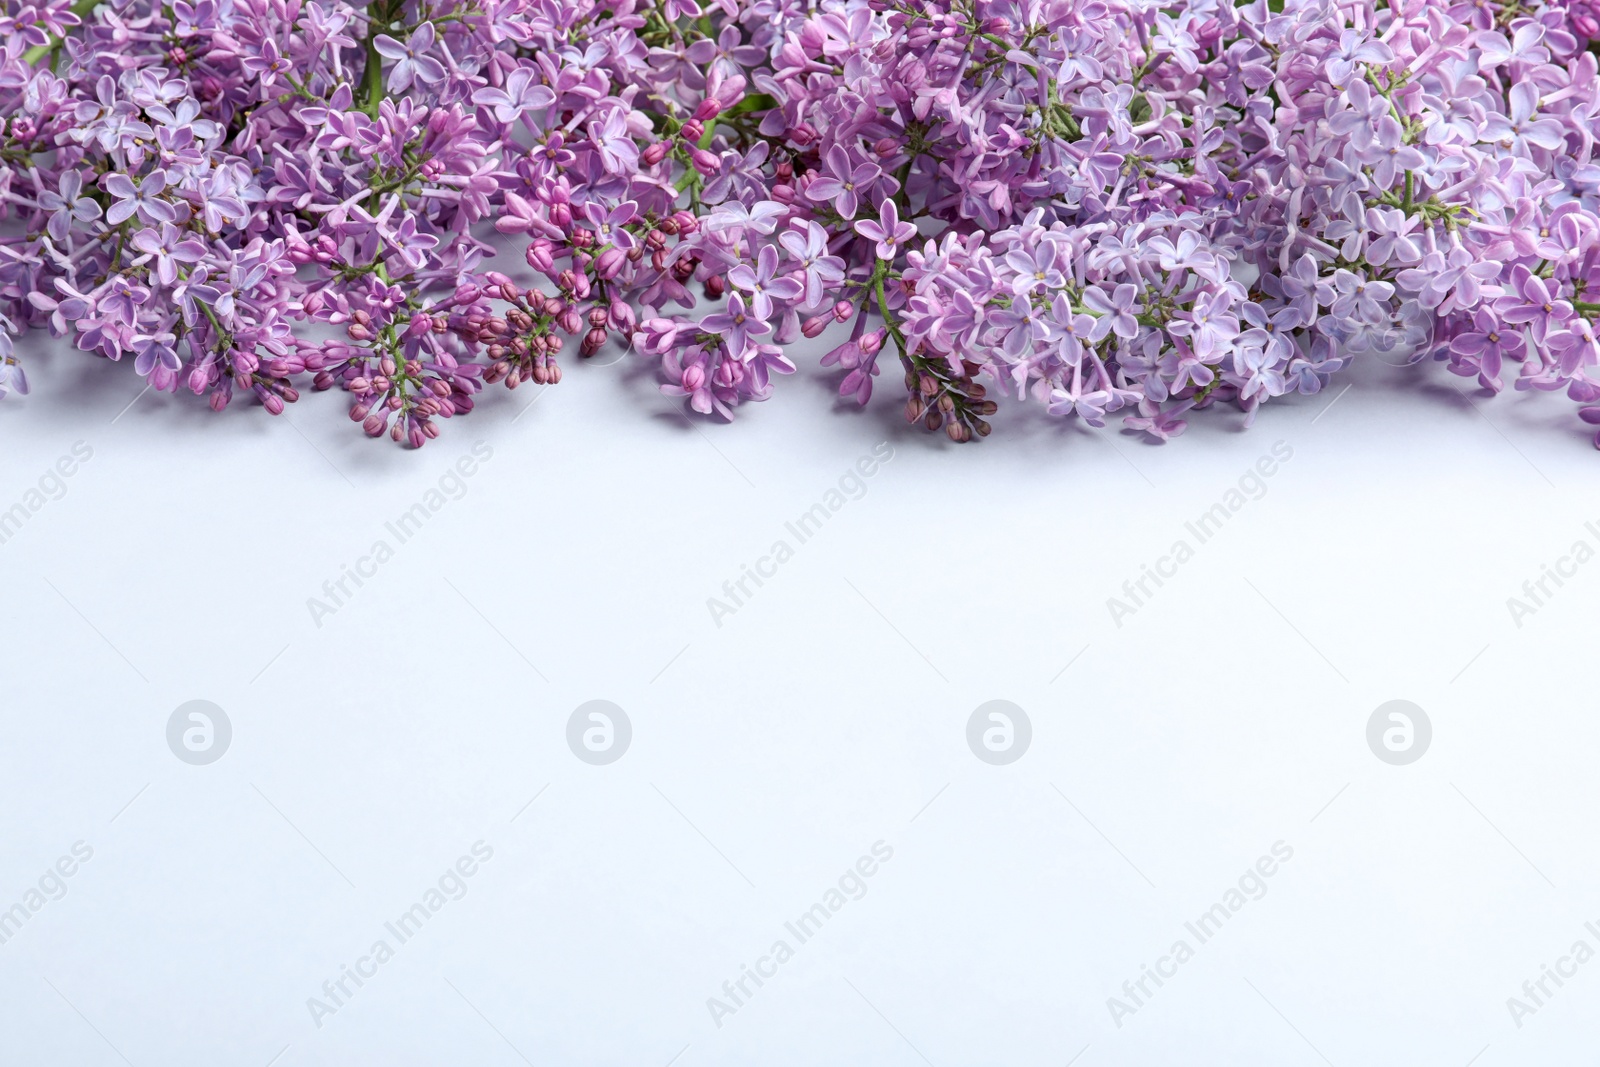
column 827, row 714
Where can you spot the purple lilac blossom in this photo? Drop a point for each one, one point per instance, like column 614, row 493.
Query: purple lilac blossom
column 1111, row 209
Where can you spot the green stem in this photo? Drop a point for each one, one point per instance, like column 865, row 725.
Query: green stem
column 372, row 73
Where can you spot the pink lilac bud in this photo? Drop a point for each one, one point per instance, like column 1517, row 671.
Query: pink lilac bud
column 611, row 263
column 539, row 256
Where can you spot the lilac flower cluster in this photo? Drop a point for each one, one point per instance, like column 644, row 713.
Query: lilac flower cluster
column 1106, row 207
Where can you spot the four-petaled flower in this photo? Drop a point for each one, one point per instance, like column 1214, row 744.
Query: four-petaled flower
column 762, row 283
column 142, row 199
column 522, row 93
column 844, row 182
column 811, row 257
column 65, row 205
column 412, row 61
column 889, row 232
column 736, row 325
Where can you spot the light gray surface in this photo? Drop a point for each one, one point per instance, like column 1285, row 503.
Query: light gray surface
column 827, row 714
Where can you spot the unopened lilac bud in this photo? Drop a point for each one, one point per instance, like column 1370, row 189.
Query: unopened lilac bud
column 357, row 332
column 654, row 154
column 570, row 321
column 705, row 162
column 610, row 263
column 691, row 132
column 539, row 257
column 813, row 327
column 716, row 285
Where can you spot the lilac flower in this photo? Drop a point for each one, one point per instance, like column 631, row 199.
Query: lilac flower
column 1532, row 304
column 1450, row 280
column 1035, row 270
column 412, row 60
column 142, row 199
column 762, row 284
column 1210, row 326
column 1088, row 404
column 1078, row 59
column 889, row 232
column 1072, row 331
column 65, row 205
column 1520, row 130
column 168, row 246
column 155, row 351
column 609, row 224
column 522, row 93
column 1153, row 209
column 736, row 325
column 843, row 182
column 1116, row 312
column 1394, row 230
column 1359, row 296
column 811, row 255
column 1488, row 345
column 1184, row 255
column 267, row 64
column 618, row 153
